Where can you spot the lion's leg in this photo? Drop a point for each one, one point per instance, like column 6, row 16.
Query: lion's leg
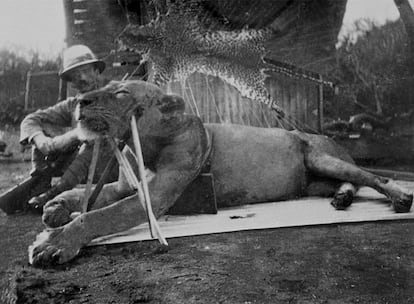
column 63, row 208
column 342, row 192
column 163, row 197
column 63, row 243
column 325, row 165
column 174, row 171
column 324, row 187
column 57, row 212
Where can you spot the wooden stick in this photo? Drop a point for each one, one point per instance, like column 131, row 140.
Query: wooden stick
column 134, row 183
column 130, row 177
column 153, row 224
column 99, row 185
column 140, row 161
column 91, row 173
column 110, row 166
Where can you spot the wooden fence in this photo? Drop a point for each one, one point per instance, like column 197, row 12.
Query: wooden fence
column 215, row 101
column 42, row 90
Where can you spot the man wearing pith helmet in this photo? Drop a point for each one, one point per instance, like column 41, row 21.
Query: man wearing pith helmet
column 82, row 68
column 51, row 131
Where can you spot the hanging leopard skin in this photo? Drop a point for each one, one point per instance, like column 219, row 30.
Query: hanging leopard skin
column 185, row 40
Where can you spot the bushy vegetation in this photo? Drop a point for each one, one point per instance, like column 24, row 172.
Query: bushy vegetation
column 374, row 73
column 13, row 72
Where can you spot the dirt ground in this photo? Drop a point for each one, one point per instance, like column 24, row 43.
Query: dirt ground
column 350, row 263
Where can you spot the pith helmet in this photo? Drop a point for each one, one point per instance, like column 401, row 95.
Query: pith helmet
column 76, row 56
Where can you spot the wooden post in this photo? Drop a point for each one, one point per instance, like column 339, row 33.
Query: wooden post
column 26, row 94
column 63, row 89
column 320, row 105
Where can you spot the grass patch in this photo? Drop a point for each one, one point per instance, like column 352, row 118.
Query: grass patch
column 10, row 135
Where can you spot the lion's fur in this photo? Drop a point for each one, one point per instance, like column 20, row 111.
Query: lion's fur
column 249, row 164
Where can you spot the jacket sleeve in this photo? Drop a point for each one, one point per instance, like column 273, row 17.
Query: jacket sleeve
column 59, row 116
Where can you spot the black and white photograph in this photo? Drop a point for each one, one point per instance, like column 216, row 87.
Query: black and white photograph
column 206, row 151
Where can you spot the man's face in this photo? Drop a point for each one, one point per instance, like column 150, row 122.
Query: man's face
column 84, row 78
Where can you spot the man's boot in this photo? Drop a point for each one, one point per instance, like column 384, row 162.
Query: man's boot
column 16, row 198
column 39, row 201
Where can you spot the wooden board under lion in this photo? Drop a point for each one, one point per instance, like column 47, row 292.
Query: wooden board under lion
column 368, row 206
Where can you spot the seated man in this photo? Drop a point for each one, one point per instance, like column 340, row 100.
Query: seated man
column 51, row 131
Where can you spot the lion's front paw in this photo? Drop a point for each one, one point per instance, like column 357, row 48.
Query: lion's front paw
column 53, row 246
column 55, row 214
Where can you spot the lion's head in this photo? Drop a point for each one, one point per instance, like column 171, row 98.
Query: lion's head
column 108, row 110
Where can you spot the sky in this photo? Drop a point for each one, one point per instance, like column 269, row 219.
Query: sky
column 379, row 11
column 39, row 24
column 32, row 24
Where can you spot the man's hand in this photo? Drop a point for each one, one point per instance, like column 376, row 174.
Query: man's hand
column 44, row 143
column 64, row 141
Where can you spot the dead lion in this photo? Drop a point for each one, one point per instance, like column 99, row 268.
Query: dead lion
column 249, row 165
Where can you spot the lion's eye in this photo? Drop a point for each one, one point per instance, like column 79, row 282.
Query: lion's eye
column 121, row 93
column 85, row 102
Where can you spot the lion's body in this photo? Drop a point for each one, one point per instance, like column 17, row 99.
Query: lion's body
column 254, row 164
column 248, row 164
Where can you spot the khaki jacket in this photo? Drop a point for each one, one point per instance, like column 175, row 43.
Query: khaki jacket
column 52, row 121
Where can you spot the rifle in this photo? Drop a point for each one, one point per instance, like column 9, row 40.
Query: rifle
column 16, row 198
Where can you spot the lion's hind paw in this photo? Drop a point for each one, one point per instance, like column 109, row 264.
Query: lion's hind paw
column 403, row 205
column 342, row 200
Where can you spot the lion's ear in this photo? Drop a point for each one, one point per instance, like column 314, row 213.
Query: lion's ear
column 171, row 103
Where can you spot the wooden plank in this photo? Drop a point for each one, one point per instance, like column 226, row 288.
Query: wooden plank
column 369, row 205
